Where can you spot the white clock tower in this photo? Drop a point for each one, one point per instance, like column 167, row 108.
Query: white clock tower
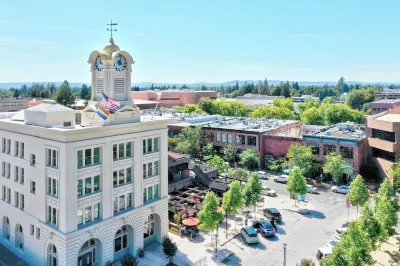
column 111, row 72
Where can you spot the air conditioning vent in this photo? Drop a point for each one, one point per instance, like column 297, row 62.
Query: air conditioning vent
column 67, row 124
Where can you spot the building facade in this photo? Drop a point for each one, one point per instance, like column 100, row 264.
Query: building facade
column 387, row 93
column 13, row 105
column 383, row 131
column 88, row 193
column 347, row 139
column 383, row 105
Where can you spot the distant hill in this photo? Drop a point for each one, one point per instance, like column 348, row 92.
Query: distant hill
column 8, row 85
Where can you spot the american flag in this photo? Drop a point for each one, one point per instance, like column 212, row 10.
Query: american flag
column 110, row 103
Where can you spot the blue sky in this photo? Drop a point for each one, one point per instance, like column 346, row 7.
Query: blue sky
column 214, row 41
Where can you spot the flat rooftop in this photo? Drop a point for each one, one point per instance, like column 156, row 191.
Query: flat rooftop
column 387, row 101
column 251, row 125
column 341, row 130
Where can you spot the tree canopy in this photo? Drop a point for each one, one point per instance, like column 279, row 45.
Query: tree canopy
column 358, row 194
column 252, row 190
column 297, row 183
column 64, row 94
column 301, row 156
column 191, row 140
column 217, row 162
column 336, row 166
column 249, row 159
column 209, row 216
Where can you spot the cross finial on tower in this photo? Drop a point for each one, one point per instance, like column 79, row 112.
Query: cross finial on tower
column 111, row 30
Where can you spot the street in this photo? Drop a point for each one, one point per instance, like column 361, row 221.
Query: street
column 303, row 234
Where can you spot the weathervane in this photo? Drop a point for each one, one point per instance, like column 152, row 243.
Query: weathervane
column 111, row 28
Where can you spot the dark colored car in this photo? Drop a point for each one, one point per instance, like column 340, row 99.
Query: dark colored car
column 272, row 212
column 264, row 227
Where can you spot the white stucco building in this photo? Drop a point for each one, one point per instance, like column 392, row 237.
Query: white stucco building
column 83, row 193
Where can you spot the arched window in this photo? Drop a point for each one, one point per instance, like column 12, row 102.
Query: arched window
column 121, row 239
column 52, row 259
column 6, row 228
column 149, row 226
column 87, row 254
column 19, row 237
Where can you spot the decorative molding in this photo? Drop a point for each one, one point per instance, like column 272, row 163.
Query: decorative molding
column 51, row 172
column 150, row 157
column 88, row 201
column 151, row 181
column 123, row 189
column 123, row 163
column 52, row 201
column 91, row 170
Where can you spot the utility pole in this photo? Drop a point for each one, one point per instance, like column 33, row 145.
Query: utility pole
column 284, row 254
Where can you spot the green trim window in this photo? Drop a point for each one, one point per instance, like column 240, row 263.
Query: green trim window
column 80, row 188
column 96, row 156
column 128, row 174
column 88, row 186
column 156, row 147
column 122, row 150
column 128, row 149
column 156, row 192
column 151, row 145
column 122, row 177
column 96, row 184
column 156, row 168
column 88, row 157
column 80, row 159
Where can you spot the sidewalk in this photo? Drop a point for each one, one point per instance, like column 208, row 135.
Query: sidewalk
column 389, row 252
column 7, row 258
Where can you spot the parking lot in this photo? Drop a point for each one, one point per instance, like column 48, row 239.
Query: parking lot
column 303, row 234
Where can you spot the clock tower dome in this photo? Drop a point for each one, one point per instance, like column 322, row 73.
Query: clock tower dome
column 111, row 73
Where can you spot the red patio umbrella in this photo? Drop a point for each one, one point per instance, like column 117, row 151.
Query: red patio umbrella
column 191, row 221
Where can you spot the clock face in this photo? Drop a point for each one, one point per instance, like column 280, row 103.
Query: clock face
column 120, row 63
column 99, row 63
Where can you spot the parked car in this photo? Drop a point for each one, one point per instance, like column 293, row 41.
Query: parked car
column 340, row 231
column 332, row 243
column 269, row 191
column 323, row 252
column 263, row 175
column 249, row 235
column 264, row 227
column 272, row 212
column 341, row 189
column 281, row 179
column 312, row 189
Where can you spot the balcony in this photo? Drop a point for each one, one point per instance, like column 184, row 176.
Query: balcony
column 383, row 144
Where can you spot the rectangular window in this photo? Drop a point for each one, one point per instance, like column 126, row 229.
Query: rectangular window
column 156, row 191
column 22, row 150
column 115, row 178
column 144, row 195
column 80, row 159
column 121, row 202
column 96, row 183
column 329, row 149
column 16, row 199
column 144, row 171
column 3, row 147
column 314, row 149
column 346, row 152
column 96, row 211
column 8, row 145
column 115, row 152
column 88, row 214
column 22, row 178
column 4, row 190
column 218, row 137
column 121, row 150
column 33, row 159
column 156, row 168
column 3, row 168
column 156, row 147
column 115, row 204
column 149, row 145
column 251, row 141
column 52, row 160
column 80, row 217
column 52, row 185
column 150, row 169
column 38, row 233
column 149, row 193
column 22, row 202
column 8, row 171
column 32, row 229
column 16, row 148
column 223, row 138
column 129, row 200
column 33, row 187
column 128, row 149
column 383, row 135
column 128, row 175
column 96, row 159
column 16, row 175
column 144, row 146
column 52, row 215
column 88, row 185
column 9, row 195
column 80, row 188
column 389, row 156
column 88, row 157
column 229, row 138
column 121, row 176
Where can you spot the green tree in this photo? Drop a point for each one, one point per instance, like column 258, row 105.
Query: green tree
column 173, row 143
column 297, row 183
column 312, row 116
column 64, row 94
column 84, row 91
column 357, row 98
column 170, row 249
column 206, row 104
column 238, row 174
column 217, row 162
column 387, row 215
column 252, row 190
column 272, row 112
column 230, row 153
column 358, row 194
column 191, row 140
column 208, row 150
column 301, row 156
column 209, row 216
column 371, row 226
column 275, row 165
column 249, row 159
column 336, row 166
column 386, row 190
column 235, row 198
column 284, row 103
column 308, row 103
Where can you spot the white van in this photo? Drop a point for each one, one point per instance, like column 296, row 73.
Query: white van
column 323, row 252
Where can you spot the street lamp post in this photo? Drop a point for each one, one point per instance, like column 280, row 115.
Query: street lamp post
column 284, row 254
